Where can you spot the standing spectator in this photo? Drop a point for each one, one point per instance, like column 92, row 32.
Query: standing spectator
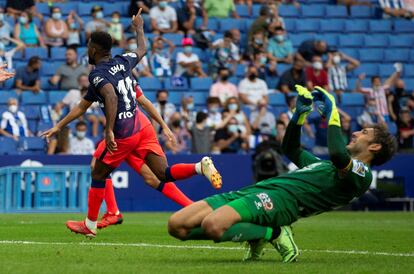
column 396, row 8
column 5, row 28
column 294, row 76
column 56, row 30
column 80, row 144
column 188, row 63
column 27, row 32
column 142, row 69
column 6, row 57
column 182, row 136
column 97, row 24
column 67, row 74
column 116, row 30
column 309, row 48
column 252, row 89
column 370, row 116
column 316, row 75
column 163, row 18
column 337, row 71
column 187, row 16
column 405, row 130
column 379, row 91
column 226, row 53
column 13, row 122
column 220, row 8
column 75, row 25
column 398, row 99
column 223, row 89
column 280, row 47
column 214, row 116
column 201, row 135
column 262, row 120
column 135, row 5
column 164, row 108
column 28, row 77
column 161, row 58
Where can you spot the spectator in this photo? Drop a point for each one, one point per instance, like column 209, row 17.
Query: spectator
column 398, row 99
column 16, row 7
column 13, row 122
column 67, row 74
column 309, row 48
column 75, row 25
column 214, row 118
column 164, row 108
column 59, row 144
column 98, row 23
column 316, row 75
column 5, row 28
column 405, row 130
column 257, row 43
column 280, row 48
column 135, row 5
column 163, row 18
column 337, row 71
column 223, row 89
column 293, row 76
column 370, row 116
column 379, row 91
column 231, row 138
column 280, row 132
column 28, row 77
column 232, row 106
column 188, row 63
column 187, row 16
column 56, row 30
column 80, row 144
column 220, row 8
column 396, row 8
column 265, row 66
column 26, row 31
column 252, row 89
column 161, row 58
column 181, row 134
column 187, row 111
column 262, row 120
column 346, row 128
column 116, row 30
column 226, row 53
column 6, row 57
column 288, row 2
column 142, row 69
column 201, row 135
column 261, row 24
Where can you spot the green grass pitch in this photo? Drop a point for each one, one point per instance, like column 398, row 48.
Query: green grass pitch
column 338, row 242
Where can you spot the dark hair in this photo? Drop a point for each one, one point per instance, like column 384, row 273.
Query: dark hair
column 80, row 123
column 280, row 122
column 200, row 117
column 116, row 13
column 228, row 34
column 131, row 38
column 220, row 69
column 102, row 39
column 375, row 77
column 82, row 75
column 279, row 28
column 388, row 145
column 74, row 48
column 161, row 91
column 54, row 7
column 264, row 11
column 33, row 60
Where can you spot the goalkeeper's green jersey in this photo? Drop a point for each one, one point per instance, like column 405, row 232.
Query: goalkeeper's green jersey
column 318, row 185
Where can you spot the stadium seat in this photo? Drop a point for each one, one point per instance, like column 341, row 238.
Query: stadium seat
column 376, row 41
column 353, row 99
column 290, row 25
column 231, row 23
column 385, row 70
column 109, row 8
column 361, row 12
column 170, row 84
column 6, row 95
column 43, row 126
column 85, row 8
column 351, row 40
column 392, row 128
column 242, row 11
column 289, row 11
column 369, row 69
column 45, row 85
column 49, row 68
column 409, row 83
column 330, row 38
column 241, row 70
column 31, row 111
column 32, row 143
column 58, row 53
column 150, row 83
column 212, row 23
column 40, row 52
column 332, row 25
column 199, row 98
column 56, row 96
column 281, row 68
column 201, row 84
column 272, row 82
column 277, row 110
column 256, row 10
column 356, row 26
column 397, row 55
column 351, row 52
column 175, row 97
column 313, row 11
column 380, row 26
column 307, row 25
column 371, row 55
column 176, row 38
column 403, row 26
column 401, row 41
column 66, row 7
column 277, row 99
column 117, row 51
column 8, row 84
column 43, row 8
column 30, row 98
column 353, row 111
column 7, row 145
column 408, row 72
column 151, row 95
column 32, row 125
column 334, row 11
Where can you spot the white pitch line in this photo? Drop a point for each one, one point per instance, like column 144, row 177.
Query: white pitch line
column 349, row 252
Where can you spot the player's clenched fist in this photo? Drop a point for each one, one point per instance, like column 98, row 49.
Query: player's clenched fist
column 137, row 20
column 303, row 105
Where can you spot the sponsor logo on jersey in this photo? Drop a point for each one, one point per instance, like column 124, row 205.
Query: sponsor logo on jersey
column 126, row 114
column 359, row 168
column 267, row 203
column 130, row 54
column 97, row 80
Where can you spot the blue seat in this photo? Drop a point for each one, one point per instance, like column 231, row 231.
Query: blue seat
column 361, row 12
column 397, row 55
column 169, row 84
column 386, row 70
column 371, row 55
column 56, row 96
column 175, row 97
column 369, row 69
column 356, row 25
column 307, row 142
column 351, row 52
column 43, row 8
column 404, row 26
column 40, row 52
column 43, row 126
column 109, row 8
column 380, row 26
column 175, row 38
column 201, row 84
column 85, row 8
column 212, row 23
column 313, row 11
column 8, row 84
column 256, row 10
column 200, row 98
column 32, row 143
column 409, row 83
column 408, row 71
column 331, row 39
column 351, row 40
column 277, row 99
column 117, row 51
column 307, row 25
column 241, row 70
column 289, row 11
column 332, row 25
column 150, row 83
column 58, row 53
column 151, row 95
column 231, row 23
column 30, row 98
column 353, row 99
column 242, row 10
column 67, row 7
column 272, row 82
column 32, row 125
column 281, row 68
column 45, row 85
column 49, row 68
column 412, row 55
column 392, row 128
column 290, row 25
column 334, row 11
column 402, row 41
column 376, row 41
column 6, row 95
column 7, row 145
column 353, row 111
column 31, row 111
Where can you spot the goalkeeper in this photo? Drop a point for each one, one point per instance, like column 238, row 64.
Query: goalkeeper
column 263, row 212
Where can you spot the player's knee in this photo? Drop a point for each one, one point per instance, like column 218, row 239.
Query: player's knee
column 212, row 228
column 176, row 228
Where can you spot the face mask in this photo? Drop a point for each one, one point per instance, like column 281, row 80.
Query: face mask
column 397, row 90
column 280, row 38
column 162, row 102
column 263, row 60
column 99, row 15
column 72, row 25
column 214, row 109
column 233, row 128
column 252, row 76
column 1, row 17
column 372, row 109
column 162, row 4
column 224, row 77
column 132, row 47
column 176, row 123
column 190, row 106
column 57, row 15
column 80, row 134
column 115, row 20
column 188, row 49
column 23, row 20
column 13, row 108
column 233, row 106
column 258, row 42
column 317, row 65
column 2, row 46
column 337, row 59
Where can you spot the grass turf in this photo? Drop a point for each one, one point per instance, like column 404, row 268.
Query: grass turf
column 390, row 233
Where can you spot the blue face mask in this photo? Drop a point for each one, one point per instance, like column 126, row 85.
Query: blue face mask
column 23, row 20
column 72, row 25
column 162, row 4
column 233, row 128
column 214, row 109
column 1, row 17
column 2, row 47
column 188, row 49
column 190, row 106
column 263, row 60
column 280, row 38
column 99, row 15
column 233, row 106
column 57, row 15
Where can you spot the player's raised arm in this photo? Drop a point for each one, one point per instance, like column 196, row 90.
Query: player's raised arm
column 111, row 105
column 336, row 145
column 138, row 24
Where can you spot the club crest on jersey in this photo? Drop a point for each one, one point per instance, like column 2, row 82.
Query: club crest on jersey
column 97, row 80
column 265, row 200
column 359, row 168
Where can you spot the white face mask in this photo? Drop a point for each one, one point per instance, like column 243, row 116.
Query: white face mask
column 80, row 134
column 13, row 108
column 317, row 65
column 132, row 46
column 337, row 59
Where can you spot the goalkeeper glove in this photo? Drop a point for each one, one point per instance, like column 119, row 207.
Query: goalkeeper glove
column 326, row 106
column 303, row 105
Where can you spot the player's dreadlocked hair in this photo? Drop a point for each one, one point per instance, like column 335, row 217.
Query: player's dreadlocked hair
column 102, row 39
column 388, row 145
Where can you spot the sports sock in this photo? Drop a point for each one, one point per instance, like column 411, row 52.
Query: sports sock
column 196, row 234
column 111, row 206
column 241, row 232
column 96, row 195
column 180, row 172
column 171, row 191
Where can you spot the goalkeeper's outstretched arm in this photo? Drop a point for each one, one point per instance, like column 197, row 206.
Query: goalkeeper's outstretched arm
column 291, row 142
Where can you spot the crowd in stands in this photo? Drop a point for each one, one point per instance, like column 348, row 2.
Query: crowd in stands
column 246, row 67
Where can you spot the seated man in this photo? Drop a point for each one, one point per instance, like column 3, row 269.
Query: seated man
column 28, row 77
column 263, row 212
column 13, row 121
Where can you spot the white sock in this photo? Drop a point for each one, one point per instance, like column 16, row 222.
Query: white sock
column 92, row 225
column 198, row 168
